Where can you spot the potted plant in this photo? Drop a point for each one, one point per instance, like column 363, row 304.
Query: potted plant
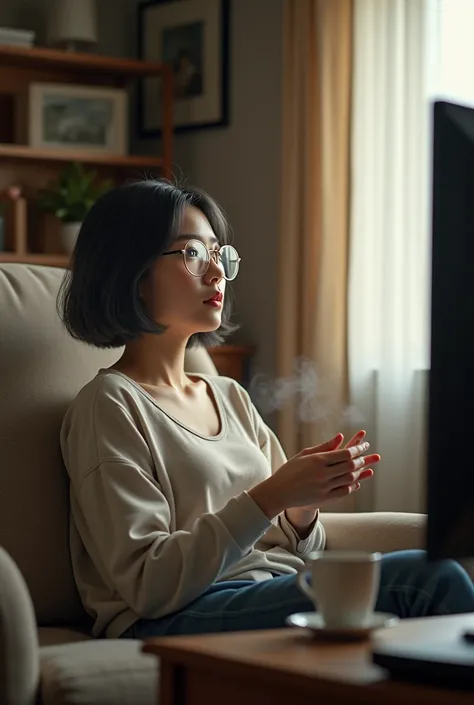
column 70, row 199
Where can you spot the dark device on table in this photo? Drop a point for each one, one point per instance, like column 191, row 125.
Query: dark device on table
column 450, row 480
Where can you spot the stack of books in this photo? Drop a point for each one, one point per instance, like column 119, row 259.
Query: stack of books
column 16, row 37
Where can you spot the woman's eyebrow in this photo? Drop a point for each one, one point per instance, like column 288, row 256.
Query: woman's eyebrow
column 212, row 240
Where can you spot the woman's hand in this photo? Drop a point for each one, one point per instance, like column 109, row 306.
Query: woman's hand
column 316, row 475
column 302, row 518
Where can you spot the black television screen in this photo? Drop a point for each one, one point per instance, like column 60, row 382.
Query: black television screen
column 450, row 457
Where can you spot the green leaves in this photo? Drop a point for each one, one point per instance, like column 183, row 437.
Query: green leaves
column 74, row 193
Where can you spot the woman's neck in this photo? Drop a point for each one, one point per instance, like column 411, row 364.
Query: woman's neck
column 155, row 360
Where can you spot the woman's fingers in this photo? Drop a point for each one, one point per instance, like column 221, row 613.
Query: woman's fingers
column 343, row 455
column 356, row 439
column 350, row 478
column 333, row 444
column 352, row 466
column 344, row 468
column 341, row 492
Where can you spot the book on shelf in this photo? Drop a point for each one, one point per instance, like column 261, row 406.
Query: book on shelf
column 16, row 37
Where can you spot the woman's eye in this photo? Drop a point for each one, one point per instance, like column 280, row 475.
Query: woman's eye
column 192, row 252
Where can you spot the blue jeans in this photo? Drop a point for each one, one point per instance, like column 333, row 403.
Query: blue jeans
column 410, row 587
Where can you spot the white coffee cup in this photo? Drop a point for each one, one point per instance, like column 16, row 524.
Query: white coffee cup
column 344, row 586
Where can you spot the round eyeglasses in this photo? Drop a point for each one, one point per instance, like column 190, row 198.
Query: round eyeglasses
column 197, row 258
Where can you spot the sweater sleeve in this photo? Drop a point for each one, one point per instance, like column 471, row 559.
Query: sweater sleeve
column 156, row 571
column 282, row 533
column 124, row 516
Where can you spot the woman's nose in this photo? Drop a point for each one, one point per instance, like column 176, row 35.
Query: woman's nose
column 215, row 270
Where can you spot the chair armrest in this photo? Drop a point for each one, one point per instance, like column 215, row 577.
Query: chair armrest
column 374, row 531
column 19, row 654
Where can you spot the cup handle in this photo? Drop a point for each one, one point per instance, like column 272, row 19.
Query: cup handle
column 303, row 584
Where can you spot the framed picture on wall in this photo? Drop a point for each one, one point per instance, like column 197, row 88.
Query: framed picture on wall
column 192, row 37
column 74, row 118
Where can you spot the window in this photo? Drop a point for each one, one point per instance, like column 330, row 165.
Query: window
column 454, row 60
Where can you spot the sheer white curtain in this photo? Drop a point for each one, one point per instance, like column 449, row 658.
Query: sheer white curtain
column 455, row 55
column 389, row 244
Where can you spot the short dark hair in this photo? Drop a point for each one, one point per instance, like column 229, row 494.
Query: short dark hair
column 122, row 235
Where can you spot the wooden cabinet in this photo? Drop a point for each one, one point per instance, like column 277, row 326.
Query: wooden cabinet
column 33, row 168
column 233, row 361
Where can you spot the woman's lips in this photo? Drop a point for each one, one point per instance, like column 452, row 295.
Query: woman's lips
column 216, row 301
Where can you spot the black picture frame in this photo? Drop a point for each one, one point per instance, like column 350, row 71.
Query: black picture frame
column 222, row 119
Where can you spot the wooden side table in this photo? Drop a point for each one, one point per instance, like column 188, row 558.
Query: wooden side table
column 280, row 667
column 232, row 361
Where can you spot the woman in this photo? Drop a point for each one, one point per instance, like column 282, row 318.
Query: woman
column 186, row 515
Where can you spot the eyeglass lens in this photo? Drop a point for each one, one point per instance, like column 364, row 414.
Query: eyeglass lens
column 197, row 259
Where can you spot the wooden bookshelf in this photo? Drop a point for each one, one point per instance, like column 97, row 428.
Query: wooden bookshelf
column 52, row 60
column 49, row 260
column 14, row 152
column 33, row 168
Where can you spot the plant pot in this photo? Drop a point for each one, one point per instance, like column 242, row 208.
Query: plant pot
column 68, row 235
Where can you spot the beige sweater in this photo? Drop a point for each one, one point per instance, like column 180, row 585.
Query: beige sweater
column 160, row 512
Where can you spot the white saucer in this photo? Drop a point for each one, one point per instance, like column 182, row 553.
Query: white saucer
column 314, row 622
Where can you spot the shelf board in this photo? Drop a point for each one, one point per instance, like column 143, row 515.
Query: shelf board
column 78, row 62
column 128, row 161
column 50, row 260
column 225, row 349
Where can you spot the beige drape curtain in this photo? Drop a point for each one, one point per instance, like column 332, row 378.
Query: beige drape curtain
column 393, row 61
column 315, row 216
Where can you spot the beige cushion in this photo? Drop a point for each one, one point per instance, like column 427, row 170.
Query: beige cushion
column 54, row 636
column 41, row 370
column 99, row 672
column 19, row 662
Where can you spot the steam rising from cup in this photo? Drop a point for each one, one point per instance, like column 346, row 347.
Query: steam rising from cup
column 315, row 400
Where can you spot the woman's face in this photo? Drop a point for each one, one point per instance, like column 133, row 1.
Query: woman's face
column 176, row 298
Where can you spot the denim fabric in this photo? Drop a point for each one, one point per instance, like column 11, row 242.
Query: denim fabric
column 410, row 586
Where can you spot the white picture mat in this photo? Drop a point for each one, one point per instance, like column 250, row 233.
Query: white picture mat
column 205, row 108
column 117, row 138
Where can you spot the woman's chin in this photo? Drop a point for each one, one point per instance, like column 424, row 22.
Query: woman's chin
column 210, row 323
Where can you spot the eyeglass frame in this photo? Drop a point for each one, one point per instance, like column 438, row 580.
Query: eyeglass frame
column 215, row 254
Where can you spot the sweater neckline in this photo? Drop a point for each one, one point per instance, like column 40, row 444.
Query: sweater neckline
column 215, row 393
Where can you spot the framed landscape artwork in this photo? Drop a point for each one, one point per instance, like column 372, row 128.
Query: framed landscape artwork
column 77, row 118
column 192, row 37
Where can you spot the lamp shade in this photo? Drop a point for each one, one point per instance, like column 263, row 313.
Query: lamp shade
column 72, row 22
